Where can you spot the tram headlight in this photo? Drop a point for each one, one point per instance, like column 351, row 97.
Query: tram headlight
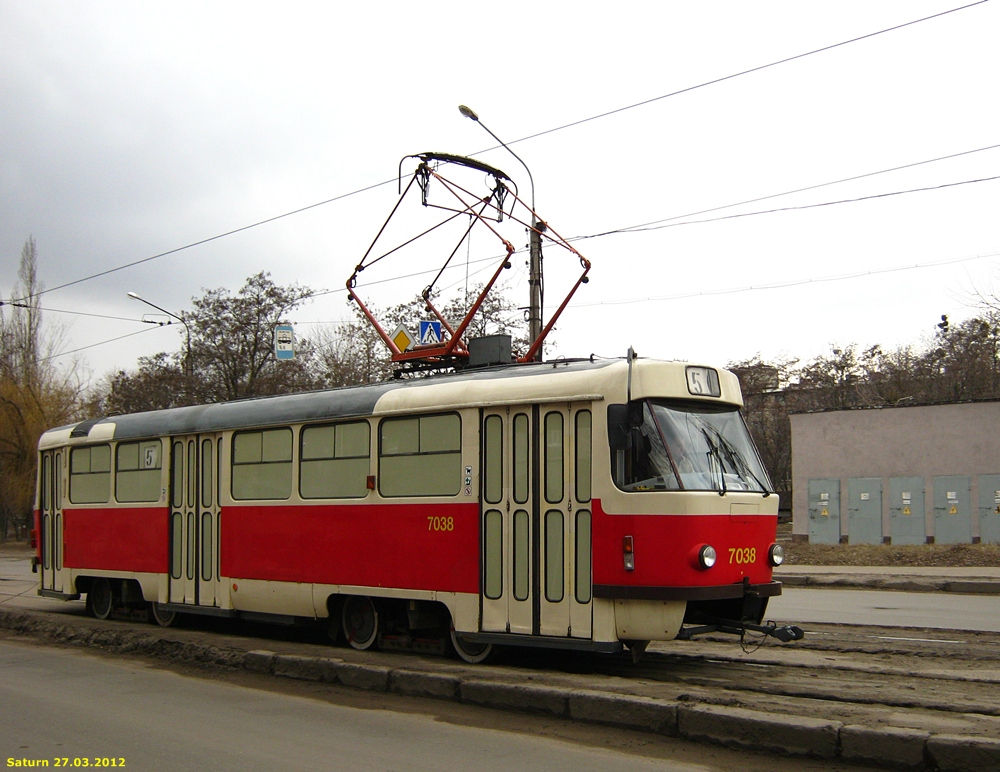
column 707, row 556
column 629, row 552
column 776, row 555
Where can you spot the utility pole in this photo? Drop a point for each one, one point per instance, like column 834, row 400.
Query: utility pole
column 535, row 281
column 535, row 284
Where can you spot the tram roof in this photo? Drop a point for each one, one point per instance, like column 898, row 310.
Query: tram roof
column 561, row 380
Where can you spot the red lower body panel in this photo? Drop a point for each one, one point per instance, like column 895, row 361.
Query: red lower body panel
column 666, row 548
column 408, row 546
column 118, row 539
column 415, row 546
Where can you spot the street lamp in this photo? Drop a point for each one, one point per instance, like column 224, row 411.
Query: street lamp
column 187, row 332
column 534, row 242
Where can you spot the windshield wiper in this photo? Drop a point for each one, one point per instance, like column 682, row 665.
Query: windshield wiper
column 713, row 453
column 740, row 464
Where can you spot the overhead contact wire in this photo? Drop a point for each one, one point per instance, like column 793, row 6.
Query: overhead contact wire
column 513, row 142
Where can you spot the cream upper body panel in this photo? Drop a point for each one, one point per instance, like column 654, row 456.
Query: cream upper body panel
column 650, row 379
column 561, row 381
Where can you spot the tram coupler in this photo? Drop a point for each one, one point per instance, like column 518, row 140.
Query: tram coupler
column 784, row 633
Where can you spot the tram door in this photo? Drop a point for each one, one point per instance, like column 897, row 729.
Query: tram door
column 51, row 526
column 565, row 526
column 537, row 520
column 508, row 586
column 194, row 520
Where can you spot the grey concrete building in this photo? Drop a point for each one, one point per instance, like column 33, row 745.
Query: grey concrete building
column 900, row 475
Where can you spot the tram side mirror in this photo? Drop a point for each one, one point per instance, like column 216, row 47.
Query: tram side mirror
column 619, row 434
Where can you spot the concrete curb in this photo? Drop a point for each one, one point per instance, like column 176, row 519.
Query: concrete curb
column 417, row 684
column 535, row 699
column 734, row 727
column 905, row 584
column 753, row 730
column 955, row 753
column 886, row 746
column 646, row 714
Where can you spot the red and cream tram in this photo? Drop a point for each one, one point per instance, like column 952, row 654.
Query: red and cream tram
column 584, row 504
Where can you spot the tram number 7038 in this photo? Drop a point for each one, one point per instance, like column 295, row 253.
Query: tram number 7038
column 742, row 555
column 440, row 523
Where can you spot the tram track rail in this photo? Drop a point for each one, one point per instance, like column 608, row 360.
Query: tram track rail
column 835, row 670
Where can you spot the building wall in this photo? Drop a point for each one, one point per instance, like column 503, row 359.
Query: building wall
column 924, row 442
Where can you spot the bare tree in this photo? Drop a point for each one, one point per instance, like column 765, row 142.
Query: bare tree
column 231, row 354
column 353, row 353
column 232, row 342
column 764, row 386
column 34, row 394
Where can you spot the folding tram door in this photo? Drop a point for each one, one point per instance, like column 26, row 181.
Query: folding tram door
column 536, row 520
column 51, row 521
column 194, row 520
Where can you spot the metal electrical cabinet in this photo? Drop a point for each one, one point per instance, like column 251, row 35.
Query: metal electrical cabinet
column 952, row 510
column 864, row 508
column 906, row 510
column 824, row 511
column 989, row 508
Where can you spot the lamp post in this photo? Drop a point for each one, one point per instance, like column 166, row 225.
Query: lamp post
column 187, row 332
column 534, row 242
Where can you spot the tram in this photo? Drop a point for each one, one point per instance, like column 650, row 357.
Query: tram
column 591, row 504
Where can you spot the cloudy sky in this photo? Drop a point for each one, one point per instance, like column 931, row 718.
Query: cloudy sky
column 132, row 129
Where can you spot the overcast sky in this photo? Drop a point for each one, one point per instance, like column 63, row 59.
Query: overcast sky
column 130, row 129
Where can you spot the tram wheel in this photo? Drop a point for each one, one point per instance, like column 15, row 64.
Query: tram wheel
column 473, row 653
column 360, row 622
column 161, row 616
column 99, row 598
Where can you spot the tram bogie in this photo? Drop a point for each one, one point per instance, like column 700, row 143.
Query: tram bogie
column 585, row 505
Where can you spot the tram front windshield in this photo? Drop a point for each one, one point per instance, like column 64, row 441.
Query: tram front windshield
column 690, row 446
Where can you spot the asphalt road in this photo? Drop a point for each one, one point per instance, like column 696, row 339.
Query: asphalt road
column 68, row 705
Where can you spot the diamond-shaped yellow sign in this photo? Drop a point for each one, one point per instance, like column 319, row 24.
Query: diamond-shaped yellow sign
column 402, row 338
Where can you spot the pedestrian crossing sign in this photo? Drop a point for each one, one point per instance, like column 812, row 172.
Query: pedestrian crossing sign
column 430, row 333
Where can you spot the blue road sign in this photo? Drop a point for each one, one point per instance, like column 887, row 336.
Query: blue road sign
column 430, row 333
column 284, row 342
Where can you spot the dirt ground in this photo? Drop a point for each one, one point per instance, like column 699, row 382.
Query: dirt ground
column 942, row 555
column 920, row 555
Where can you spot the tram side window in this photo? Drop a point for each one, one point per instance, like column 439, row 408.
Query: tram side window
column 262, row 464
column 90, row 475
column 334, row 462
column 420, row 456
column 137, row 471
